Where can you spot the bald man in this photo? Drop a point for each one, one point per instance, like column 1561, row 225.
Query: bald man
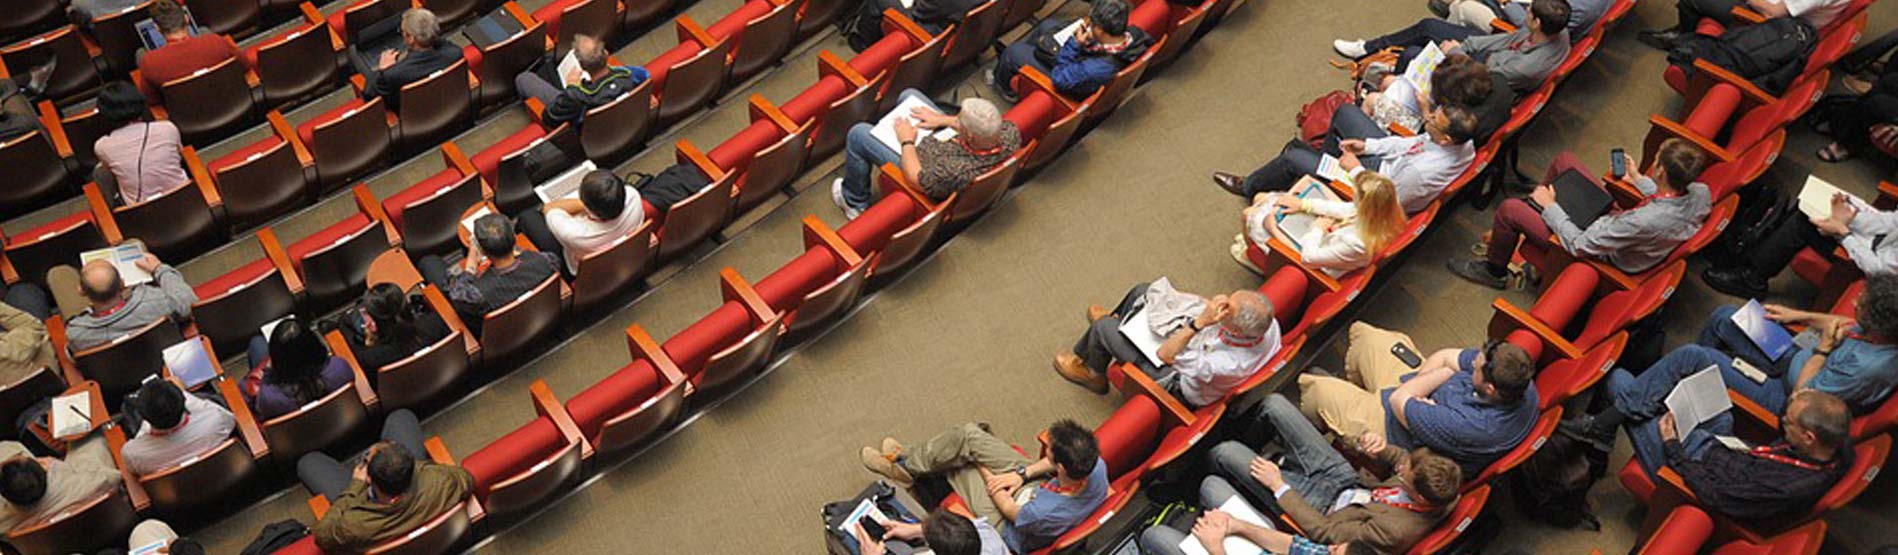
column 115, row 310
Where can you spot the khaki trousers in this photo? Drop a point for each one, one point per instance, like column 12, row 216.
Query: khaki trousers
column 956, row 454
column 1350, row 407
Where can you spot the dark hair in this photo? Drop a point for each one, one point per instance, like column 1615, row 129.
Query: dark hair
column 22, row 481
column 1459, row 124
column 1436, row 478
column 1460, row 81
column 1073, row 448
column 391, row 468
column 120, row 104
column 1682, row 160
column 297, row 359
column 1823, row 414
column 495, row 235
column 948, row 533
column 1552, row 13
column 1110, row 16
column 1509, row 369
column 1878, row 307
column 161, row 404
column 388, row 306
column 185, row 546
column 170, row 17
column 603, row 193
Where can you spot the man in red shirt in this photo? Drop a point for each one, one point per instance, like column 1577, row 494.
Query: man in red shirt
column 182, row 53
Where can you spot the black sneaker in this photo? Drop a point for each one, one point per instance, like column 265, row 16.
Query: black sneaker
column 1736, row 281
column 1585, row 430
column 1477, row 271
column 1660, row 40
column 1440, row 7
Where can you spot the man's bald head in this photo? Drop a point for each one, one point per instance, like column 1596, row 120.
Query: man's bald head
column 1822, row 415
column 100, row 283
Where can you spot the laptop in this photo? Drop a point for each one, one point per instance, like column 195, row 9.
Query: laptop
column 1581, row 198
column 491, row 30
column 152, row 38
column 564, row 185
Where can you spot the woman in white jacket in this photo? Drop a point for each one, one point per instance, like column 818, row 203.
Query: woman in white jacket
column 1345, row 236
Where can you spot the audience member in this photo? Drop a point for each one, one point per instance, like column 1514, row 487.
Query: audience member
column 1523, row 56
column 1345, row 235
column 1393, row 102
column 117, row 310
column 422, row 54
column 1854, row 359
column 1479, row 14
column 291, row 369
column 1462, row 81
column 1206, row 352
column 491, row 274
column 17, row 116
column 568, row 97
column 1634, row 240
column 934, row 16
column 40, row 487
column 177, row 427
column 1319, row 491
column 388, row 326
column 139, row 158
column 943, row 532
column 153, row 532
column 1102, row 45
column 392, row 491
column 1212, row 528
column 1036, row 500
column 1818, row 13
column 24, row 346
column 936, row 166
column 1852, row 225
column 1865, row 124
column 1421, row 166
column 606, row 211
column 183, row 53
column 1471, row 405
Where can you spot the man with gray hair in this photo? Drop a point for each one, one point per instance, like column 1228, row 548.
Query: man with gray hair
column 595, row 83
column 937, row 165
column 423, row 53
column 116, row 309
column 1204, row 358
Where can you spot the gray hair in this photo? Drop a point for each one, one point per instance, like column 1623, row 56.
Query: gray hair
column 593, row 56
column 981, row 120
column 1251, row 314
column 421, row 26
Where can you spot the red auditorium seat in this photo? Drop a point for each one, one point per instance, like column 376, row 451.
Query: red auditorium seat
column 82, row 130
column 1465, row 512
column 1515, row 457
column 1669, row 491
column 971, row 36
column 116, row 38
column 859, row 104
column 699, row 216
column 503, row 165
column 265, row 179
column 75, row 73
column 428, row 214
column 350, row 21
column 300, row 62
column 1834, row 272
column 517, row 326
column 34, row 251
column 1058, row 134
column 176, row 225
column 1182, row 34
column 636, row 403
column 88, row 526
column 774, row 165
column 815, row 15
column 334, row 261
column 837, row 295
column 916, row 68
column 348, row 141
column 495, row 66
column 566, row 18
column 38, row 384
column 427, row 373
column 964, row 205
column 232, row 307
column 1685, row 530
column 612, row 132
column 513, row 474
column 122, row 364
column 750, row 352
column 1575, row 290
column 1717, row 220
column 195, row 484
column 316, row 425
column 691, row 74
column 27, row 15
column 908, row 244
column 36, row 164
column 604, row 275
column 225, row 17
column 764, row 39
column 435, row 108
column 211, row 103
column 1565, row 378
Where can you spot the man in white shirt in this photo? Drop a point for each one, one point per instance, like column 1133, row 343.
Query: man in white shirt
column 1817, row 12
column 606, row 211
column 944, row 533
column 1421, row 166
column 177, row 427
column 1204, row 359
column 1863, row 231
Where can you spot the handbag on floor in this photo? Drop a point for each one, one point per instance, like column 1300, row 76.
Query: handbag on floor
column 840, row 539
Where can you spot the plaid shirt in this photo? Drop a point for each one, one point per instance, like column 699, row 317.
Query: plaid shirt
column 1302, row 546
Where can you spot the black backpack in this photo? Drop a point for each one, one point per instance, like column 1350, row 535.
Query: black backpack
column 1770, row 54
column 276, row 535
column 1552, row 486
column 676, row 183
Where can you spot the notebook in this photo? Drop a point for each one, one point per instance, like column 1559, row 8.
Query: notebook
column 1330, row 168
column 468, row 223
column 190, row 363
column 492, row 29
column 885, row 130
column 125, row 257
column 1697, row 399
column 1235, row 545
column 1581, row 198
column 1297, row 224
column 1769, row 336
column 564, row 185
column 72, row 414
column 1815, row 199
column 1426, row 62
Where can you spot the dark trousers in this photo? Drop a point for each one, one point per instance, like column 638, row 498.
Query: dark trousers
column 29, row 298
column 1719, row 10
column 533, row 223
column 1350, row 122
column 1023, row 53
column 1779, row 247
column 1421, row 33
column 324, row 475
column 434, row 270
column 1103, row 343
column 1295, row 160
column 1868, row 52
column 1852, row 123
column 1518, row 222
column 258, row 352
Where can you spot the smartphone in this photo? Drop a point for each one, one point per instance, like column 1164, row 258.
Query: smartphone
column 1404, row 353
column 1618, row 162
column 871, row 527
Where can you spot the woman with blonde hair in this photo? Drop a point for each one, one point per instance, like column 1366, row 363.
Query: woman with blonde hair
column 1344, row 236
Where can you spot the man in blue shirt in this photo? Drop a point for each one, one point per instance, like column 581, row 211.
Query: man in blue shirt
column 1853, row 361
column 1101, row 45
column 1471, row 405
column 1036, row 500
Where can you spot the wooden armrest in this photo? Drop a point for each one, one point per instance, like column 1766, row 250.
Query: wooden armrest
column 536, row 109
column 102, row 214
column 1398, row 129
column 363, row 390
column 894, row 19
column 1667, row 479
column 319, row 506
column 1706, row 75
column 690, row 30
column 55, row 129
column 1661, row 129
column 690, row 154
column 1744, row 14
column 1623, row 190
column 1340, row 188
column 642, row 346
column 357, row 82
column 1041, row 82
column 734, row 288
column 273, row 250
column 446, row 310
column 289, row 135
column 514, row 9
column 453, row 157
column 1502, row 26
column 829, row 64
column 1524, row 321
column 201, row 176
column 1291, row 256
column 8, row 274
column 1745, row 408
column 438, row 451
column 891, row 176
column 247, row 426
column 115, row 443
column 1146, row 386
column 764, row 109
column 817, row 233
column 1887, row 196
column 549, row 406
column 56, row 333
column 366, row 201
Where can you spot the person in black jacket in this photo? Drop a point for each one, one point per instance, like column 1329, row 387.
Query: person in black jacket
column 595, row 84
column 1101, row 45
column 387, row 327
column 424, row 53
column 934, row 16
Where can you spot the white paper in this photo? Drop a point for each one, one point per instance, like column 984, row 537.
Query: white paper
column 271, row 326
column 72, row 414
column 188, row 361
column 1733, row 443
column 126, row 258
column 1329, row 168
column 569, row 65
column 468, row 223
column 1297, row 224
column 564, row 185
column 1815, row 199
column 1426, row 62
column 864, row 508
column 1138, row 331
column 1068, row 32
column 885, row 129
column 1235, row 545
column 1697, row 399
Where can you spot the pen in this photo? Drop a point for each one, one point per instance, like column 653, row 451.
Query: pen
column 75, row 410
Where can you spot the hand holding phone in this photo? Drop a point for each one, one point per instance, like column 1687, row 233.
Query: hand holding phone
column 1618, row 163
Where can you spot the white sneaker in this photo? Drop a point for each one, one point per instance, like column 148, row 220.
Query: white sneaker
column 837, row 197
column 1352, row 49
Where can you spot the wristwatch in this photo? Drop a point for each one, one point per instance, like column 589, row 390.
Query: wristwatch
column 911, row 142
column 1022, row 471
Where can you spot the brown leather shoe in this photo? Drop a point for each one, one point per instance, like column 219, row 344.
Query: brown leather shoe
column 1230, row 182
column 1096, row 312
column 1071, row 368
column 891, row 448
column 886, row 467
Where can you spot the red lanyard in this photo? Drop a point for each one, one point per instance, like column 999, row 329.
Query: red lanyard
column 1771, row 453
column 1238, row 341
column 1388, row 496
column 984, row 152
column 1656, row 196
column 96, row 313
column 1054, row 486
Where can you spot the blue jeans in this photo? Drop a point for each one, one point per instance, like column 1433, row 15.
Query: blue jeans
column 863, row 154
column 1643, row 398
column 1161, row 540
column 258, row 351
column 1022, row 53
column 1721, row 333
column 1312, row 467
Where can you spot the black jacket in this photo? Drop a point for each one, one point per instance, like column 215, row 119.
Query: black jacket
column 936, row 15
column 575, row 100
column 418, row 64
